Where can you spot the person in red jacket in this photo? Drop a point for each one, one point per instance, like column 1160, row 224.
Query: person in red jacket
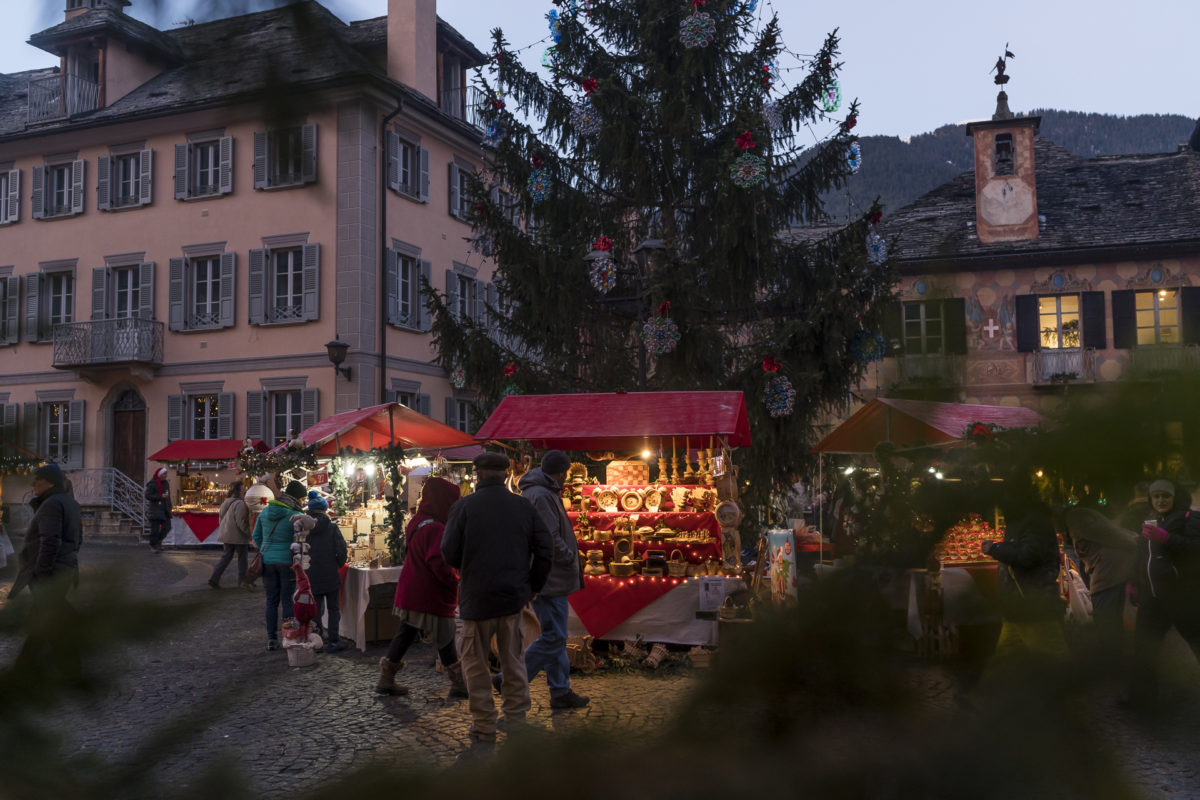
column 427, row 591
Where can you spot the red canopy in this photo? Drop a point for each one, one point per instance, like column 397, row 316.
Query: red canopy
column 621, row 421
column 204, row 450
column 379, row 426
column 916, row 423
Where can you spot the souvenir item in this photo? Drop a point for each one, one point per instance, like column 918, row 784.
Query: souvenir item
column 631, row 500
column 652, row 499
column 606, row 499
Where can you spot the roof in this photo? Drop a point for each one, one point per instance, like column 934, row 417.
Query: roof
column 204, row 450
column 108, row 22
column 379, row 426
column 1123, row 204
column 918, row 423
column 619, row 421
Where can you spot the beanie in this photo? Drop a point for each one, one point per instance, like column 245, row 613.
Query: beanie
column 51, row 473
column 1164, row 486
column 296, row 489
column 316, row 502
column 555, row 462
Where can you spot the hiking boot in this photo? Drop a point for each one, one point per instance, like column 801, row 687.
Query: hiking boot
column 213, row 582
column 458, row 685
column 387, row 677
column 272, row 644
column 569, row 700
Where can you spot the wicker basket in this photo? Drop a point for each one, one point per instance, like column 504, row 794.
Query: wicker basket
column 620, row 569
column 676, row 565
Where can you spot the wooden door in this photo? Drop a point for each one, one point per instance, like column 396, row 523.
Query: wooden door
column 129, row 436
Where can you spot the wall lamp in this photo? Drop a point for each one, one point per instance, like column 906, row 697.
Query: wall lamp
column 337, row 354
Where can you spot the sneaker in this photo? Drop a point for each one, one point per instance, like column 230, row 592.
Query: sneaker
column 335, row 647
column 214, row 583
column 272, row 644
column 155, row 548
column 569, row 700
column 497, row 682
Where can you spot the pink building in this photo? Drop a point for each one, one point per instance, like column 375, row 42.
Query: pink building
column 189, row 215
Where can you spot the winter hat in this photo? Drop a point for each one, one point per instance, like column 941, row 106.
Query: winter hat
column 161, row 472
column 316, row 502
column 555, row 462
column 296, row 489
column 494, row 461
column 1164, row 486
column 51, row 473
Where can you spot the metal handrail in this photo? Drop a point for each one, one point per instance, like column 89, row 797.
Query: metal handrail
column 1054, row 365
column 108, row 341
column 108, row 486
column 58, row 96
column 465, row 103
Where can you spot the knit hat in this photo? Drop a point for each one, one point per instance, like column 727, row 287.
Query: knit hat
column 296, row 489
column 555, row 462
column 1164, row 486
column 51, row 473
column 495, row 461
column 316, row 502
column 161, row 472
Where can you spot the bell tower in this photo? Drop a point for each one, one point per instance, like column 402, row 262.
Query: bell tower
column 1005, row 181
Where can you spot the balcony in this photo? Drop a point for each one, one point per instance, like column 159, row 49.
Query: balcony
column 1155, row 359
column 59, row 96
column 1052, row 367
column 465, row 103
column 131, row 341
column 930, row 369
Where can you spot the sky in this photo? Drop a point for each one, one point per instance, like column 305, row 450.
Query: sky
column 912, row 64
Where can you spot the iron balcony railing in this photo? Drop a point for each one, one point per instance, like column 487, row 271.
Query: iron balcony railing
column 1063, row 366
column 465, row 103
column 108, row 486
column 108, row 341
column 1155, row 358
column 57, row 96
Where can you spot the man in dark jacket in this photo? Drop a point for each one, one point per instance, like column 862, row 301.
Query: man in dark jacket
column 158, row 508
column 326, row 555
column 501, row 548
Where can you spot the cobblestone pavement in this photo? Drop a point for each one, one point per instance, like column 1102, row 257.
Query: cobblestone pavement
column 301, row 726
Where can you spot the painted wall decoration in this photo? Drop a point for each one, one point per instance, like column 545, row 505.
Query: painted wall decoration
column 991, row 327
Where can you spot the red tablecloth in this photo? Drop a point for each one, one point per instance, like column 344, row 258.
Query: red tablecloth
column 201, row 524
column 605, row 601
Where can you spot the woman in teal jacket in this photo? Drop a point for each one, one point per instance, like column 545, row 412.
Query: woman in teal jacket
column 273, row 537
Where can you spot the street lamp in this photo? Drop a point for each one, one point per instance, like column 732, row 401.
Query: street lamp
column 337, row 354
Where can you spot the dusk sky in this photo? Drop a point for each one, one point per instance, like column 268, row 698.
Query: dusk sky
column 913, row 65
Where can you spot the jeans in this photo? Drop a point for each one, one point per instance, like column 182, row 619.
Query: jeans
column 240, row 551
column 549, row 652
column 329, row 600
column 280, row 583
column 158, row 531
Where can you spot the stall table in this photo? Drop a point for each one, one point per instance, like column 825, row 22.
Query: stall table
column 657, row 609
column 356, row 585
column 192, row 528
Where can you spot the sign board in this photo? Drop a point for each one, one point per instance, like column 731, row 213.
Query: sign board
column 781, row 558
column 318, row 478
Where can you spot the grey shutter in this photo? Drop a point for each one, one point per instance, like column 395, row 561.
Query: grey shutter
column 29, row 427
column 423, row 403
column 308, row 408
column 33, row 306
column 225, row 172
column 14, row 195
column 893, row 328
column 1095, row 332
column 452, row 293
column 256, row 403
column 260, row 161
column 312, row 281
column 74, row 435
column 104, row 183
column 424, row 174
column 99, row 292
column 182, row 153
column 12, row 308
column 145, row 177
column 146, row 290
column 257, row 289
column 308, row 152
column 176, row 404
column 225, row 415
column 1189, row 316
column 424, row 320
column 177, row 295
column 39, row 192
column 1027, row 323
column 493, row 303
column 451, row 412
column 8, row 428
column 480, row 302
column 1124, row 319
column 454, row 189
column 393, row 161
column 954, row 316
column 77, row 187
column 228, row 283
column 391, row 283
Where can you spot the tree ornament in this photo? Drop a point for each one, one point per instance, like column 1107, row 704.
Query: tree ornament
column 536, row 160
column 548, row 56
column 458, row 377
column 875, row 218
column 697, row 30
column 772, row 115
column 850, row 122
column 869, row 346
column 769, row 72
column 748, row 170
column 745, row 141
column 495, row 133
column 831, row 97
column 743, row 5
column 585, row 119
column 555, row 25
column 877, row 251
column 661, row 334
column 510, row 389
column 510, row 369
column 603, row 274
column 697, row 3
column 769, row 364
column 781, row 397
column 603, row 244
column 854, row 157
column 539, row 185
column 588, row 85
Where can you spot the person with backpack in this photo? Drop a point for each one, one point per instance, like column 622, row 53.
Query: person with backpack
column 326, row 555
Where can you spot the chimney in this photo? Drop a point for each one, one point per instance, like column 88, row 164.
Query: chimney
column 412, row 44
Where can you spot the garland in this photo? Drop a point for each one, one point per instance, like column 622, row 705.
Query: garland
column 257, row 464
column 339, row 487
column 18, row 464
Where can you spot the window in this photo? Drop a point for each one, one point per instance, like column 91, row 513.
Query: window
column 204, row 168
column 1157, row 316
column 1058, row 316
column 60, row 297
column 202, row 283
column 407, row 399
column 923, row 329
column 123, row 291
column 1005, row 160
column 273, row 413
column 124, row 180
column 408, row 394
column 49, row 300
column 10, row 195
column 205, row 307
column 465, row 295
column 408, row 166
column 202, row 411
column 460, row 189
column 10, row 306
column 285, row 282
column 285, row 157
column 404, row 273
column 54, row 430
column 55, row 445
column 58, row 189
column 458, row 414
column 126, row 298
column 287, row 278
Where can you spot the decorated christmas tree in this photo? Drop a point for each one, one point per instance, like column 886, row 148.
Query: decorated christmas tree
column 652, row 211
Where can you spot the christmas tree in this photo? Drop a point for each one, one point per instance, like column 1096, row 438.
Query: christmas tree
column 649, row 211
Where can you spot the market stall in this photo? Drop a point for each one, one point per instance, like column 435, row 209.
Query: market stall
column 203, row 469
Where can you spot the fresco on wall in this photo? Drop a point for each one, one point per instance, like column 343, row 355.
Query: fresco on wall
column 991, row 327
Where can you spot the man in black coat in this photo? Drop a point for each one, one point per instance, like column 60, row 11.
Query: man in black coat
column 501, row 547
column 326, row 554
column 158, row 508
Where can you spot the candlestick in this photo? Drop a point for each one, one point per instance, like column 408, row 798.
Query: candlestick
column 674, row 468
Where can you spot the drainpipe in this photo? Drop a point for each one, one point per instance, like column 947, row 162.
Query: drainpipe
column 381, row 258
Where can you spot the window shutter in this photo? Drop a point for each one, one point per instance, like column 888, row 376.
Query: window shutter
column 1095, row 332
column 391, row 283
column 954, row 312
column 312, row 281
column 1124, row 319
column 452, row 294
column 255, row 407
column 182, row 151
column 257, row 290
column 12, row 308
column 176, row 296
column 145, row 177
column 893, row 329
column 451, row 412
column 453, row 189
column 308, row 152
column 1027, row 323
column 146, row 290
column 423, row 403
column 176, row 404
column 103, row 183
column 77, row 188
column 393, row 161
column 424, row 320
column 75, row 436
column 8, row 429
column 228, row 282
column 39, row 192
column 424, row 174
column 493, row 315
column 225, row 415
column 225, row 171
column 31, row 429
column 33, row 306
column 480, row 302
column 308, row 408
column 260, row 162
column 14, row 195
column 99, row 292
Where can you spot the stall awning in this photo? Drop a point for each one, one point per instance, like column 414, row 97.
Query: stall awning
column 204, row 450
column 620, row 421
column 916, row 423
column 380, row 426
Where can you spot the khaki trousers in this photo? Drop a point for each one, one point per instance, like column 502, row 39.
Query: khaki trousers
column 514, row 692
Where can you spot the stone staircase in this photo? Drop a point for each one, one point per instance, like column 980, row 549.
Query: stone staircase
column 104, row 526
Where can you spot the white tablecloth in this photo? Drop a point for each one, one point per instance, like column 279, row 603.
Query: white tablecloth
column 670, row 619
column 355, row 597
